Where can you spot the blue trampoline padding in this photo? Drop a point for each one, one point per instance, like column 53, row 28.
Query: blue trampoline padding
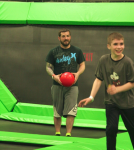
column 2, row 108
column 6, row 97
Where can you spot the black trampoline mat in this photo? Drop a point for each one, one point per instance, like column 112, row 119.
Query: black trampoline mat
column 19, row 146
column 42, row 129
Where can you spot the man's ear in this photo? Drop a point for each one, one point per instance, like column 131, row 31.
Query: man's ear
column 58, row 38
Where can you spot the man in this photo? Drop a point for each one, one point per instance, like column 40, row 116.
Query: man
column 64, row 58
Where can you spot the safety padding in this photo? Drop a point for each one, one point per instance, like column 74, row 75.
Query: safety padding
column 34, row 109
column 91, row 113
column 13, row 12
column 32, row 138
column 123, row 143
column 2, row 108
column 78, row 14
column 93, row 117
column 82, row 14
column 35, row 113
column 62, row 142
column 13, row 116
column 6, row 97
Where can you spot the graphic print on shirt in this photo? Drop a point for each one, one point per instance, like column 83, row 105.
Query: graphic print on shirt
column 66, row 58
column 115, row 79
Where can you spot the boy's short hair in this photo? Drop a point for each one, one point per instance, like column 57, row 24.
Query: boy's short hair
column 114, row 35
column 64, row 30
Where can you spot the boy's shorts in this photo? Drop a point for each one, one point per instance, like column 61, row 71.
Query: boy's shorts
column 64, row 100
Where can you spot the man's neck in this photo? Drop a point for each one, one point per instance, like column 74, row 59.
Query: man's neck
column 65, row 47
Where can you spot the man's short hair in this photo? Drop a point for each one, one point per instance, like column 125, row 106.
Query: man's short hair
column 64, row 30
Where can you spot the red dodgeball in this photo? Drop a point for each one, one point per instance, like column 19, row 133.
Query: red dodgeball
column 67, row 79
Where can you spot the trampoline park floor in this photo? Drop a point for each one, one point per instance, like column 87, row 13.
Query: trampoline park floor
column 24, row 127
column 12, row 129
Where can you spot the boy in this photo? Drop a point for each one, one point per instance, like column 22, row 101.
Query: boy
column 117, row 71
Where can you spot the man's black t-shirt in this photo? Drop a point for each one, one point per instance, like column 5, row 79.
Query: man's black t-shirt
column 65, row 60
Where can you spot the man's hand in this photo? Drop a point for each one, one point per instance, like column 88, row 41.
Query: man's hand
column 84, row 102
column 57, row 78
column 76, row 76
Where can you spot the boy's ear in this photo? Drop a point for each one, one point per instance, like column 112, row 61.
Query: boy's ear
column 108, row 46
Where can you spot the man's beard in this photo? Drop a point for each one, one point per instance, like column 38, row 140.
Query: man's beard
column 64, row 43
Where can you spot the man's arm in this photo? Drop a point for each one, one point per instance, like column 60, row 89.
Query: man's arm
column 95, row 88
column 49, row 69
column 80, row 70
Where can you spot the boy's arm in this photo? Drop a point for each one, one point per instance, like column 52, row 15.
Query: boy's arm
column 95, row 88
column 117, row 89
